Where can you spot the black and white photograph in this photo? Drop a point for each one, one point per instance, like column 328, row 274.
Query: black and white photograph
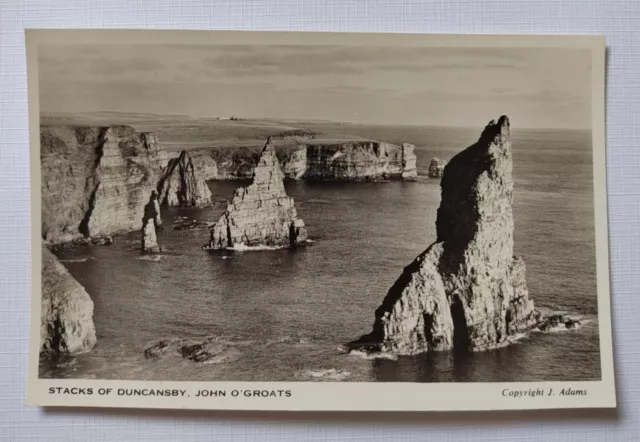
column 319, row 211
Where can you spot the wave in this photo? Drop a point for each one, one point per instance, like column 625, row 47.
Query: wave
column 245, row 248
column 329, row 374
column 154, row 258
column 560, row 328
column 289, row 340
column 369, row 356
column 73, row 260
column 316, row 201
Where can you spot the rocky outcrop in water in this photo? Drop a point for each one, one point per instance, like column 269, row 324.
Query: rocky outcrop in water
column 96, row 180
column 409, row 169
column 261, row 214
column 66, row 324
column 211, row 350
column 182, row 185
column 150, row 221
column 359, row 160
column 467, row 290
column 436, row 168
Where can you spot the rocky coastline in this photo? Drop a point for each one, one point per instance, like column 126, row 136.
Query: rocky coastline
column 467, row 291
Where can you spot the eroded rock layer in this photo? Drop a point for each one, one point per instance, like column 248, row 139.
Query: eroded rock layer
column 66, row 311
column 467, row 290
column 261, row 214
column 96, row 180
column 182, row 185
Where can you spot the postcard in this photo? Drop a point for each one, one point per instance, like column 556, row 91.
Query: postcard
column 318, row 221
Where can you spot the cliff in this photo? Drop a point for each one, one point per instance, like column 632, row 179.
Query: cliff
column 66, row 311
column 261, row 214
column 436, row 168
column 313, row 158
column 182, row 184
column 96, row 180
column 466, row 291
column 359, row 160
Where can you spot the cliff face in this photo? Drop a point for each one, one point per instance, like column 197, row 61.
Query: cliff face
column 68, row 160
column 67, row 311
column 96, row 180
column 182, row 184
column 467, row 290
column 312, row 158
column 129, row 168
column 261, row 214
column 359, row 161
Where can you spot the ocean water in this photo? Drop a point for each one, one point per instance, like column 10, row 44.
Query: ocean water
column 285, row 313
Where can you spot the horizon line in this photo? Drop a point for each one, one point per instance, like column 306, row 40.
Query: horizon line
column 295, row 119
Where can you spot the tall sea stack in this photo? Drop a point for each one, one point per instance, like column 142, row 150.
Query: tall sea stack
column 261, row 214
column 182, row 185
column 150, row 221
column 467, row 290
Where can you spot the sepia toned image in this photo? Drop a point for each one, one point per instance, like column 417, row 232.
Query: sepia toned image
column 313, row 210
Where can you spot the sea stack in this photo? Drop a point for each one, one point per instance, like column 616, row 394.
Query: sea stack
column 436, row 168
column 409, row 169
column 66, row 314
column 466, row 291
column 181, row 185
column 150, row 221
column 261, row 214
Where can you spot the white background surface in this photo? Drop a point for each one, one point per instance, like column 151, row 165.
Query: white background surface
column 618, row 19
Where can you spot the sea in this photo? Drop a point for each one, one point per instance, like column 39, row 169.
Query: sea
column 285, row 314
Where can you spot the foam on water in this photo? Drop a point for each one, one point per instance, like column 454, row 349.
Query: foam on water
column 329, row 374
column 245, row 248
column 155, row 258
column 365, row 355
column 72, row 260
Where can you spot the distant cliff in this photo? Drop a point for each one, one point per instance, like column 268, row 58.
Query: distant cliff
column 358, row 160
column 66, row 314
column 312, row 158
column 467, row 290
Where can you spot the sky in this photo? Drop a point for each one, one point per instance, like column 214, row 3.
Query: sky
column 545, row 88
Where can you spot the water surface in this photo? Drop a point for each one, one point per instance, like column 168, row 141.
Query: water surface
column 286, row 312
